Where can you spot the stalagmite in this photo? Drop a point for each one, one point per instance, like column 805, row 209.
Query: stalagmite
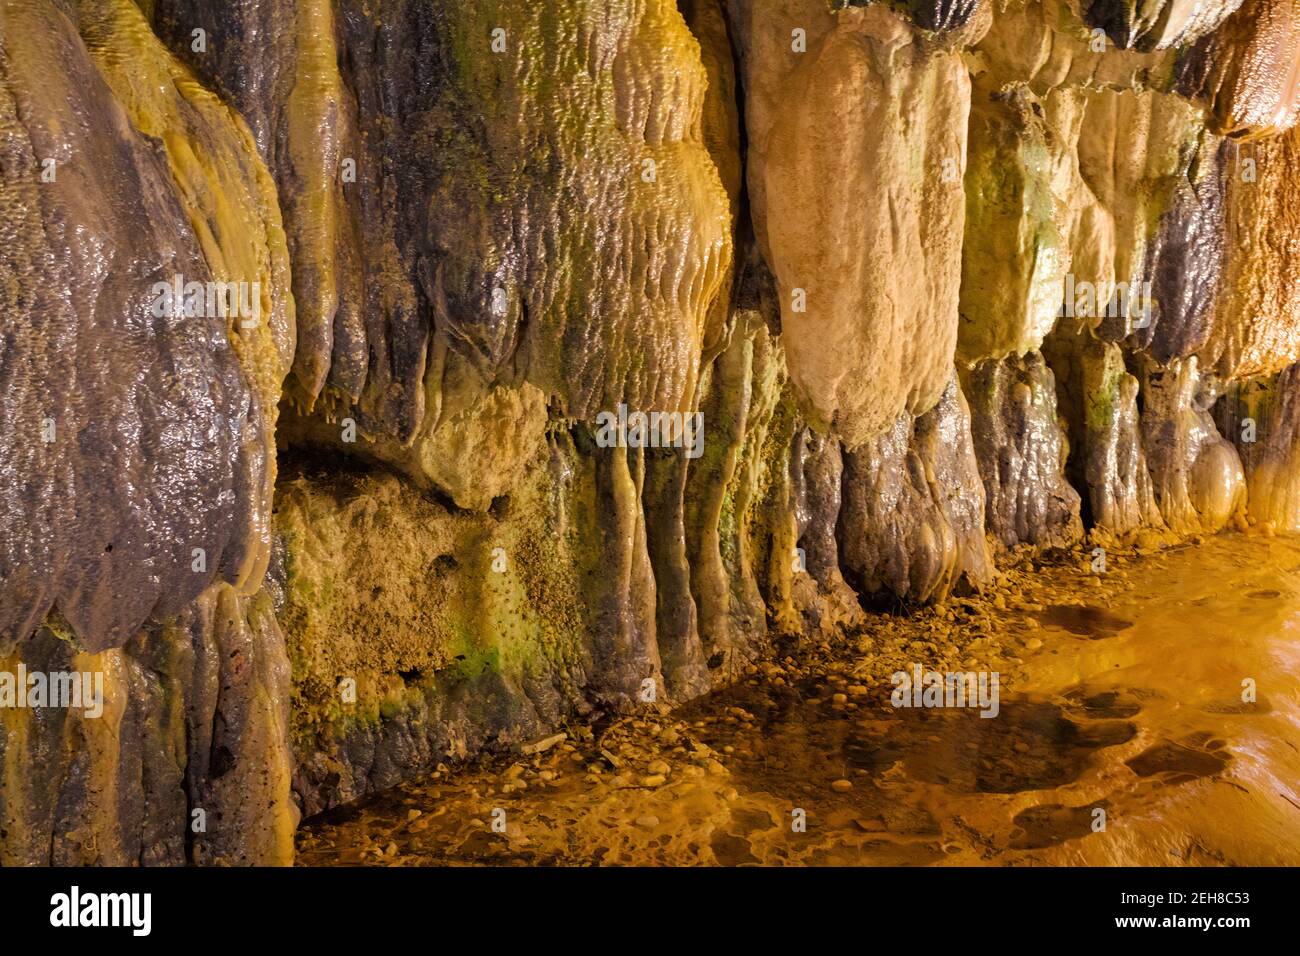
column 1021, row 452
column 1196, row 474
column 913, row 521
column 1261, row 418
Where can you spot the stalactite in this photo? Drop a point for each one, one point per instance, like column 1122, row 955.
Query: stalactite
column 868, row 119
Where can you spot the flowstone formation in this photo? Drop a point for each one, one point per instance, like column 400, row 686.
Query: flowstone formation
column 317, row 314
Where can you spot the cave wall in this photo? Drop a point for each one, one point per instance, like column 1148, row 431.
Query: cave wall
column 946, row 282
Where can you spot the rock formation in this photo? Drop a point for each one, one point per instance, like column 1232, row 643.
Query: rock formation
column 389, row 381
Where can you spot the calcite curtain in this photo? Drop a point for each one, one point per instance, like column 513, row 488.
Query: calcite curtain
column 945, row 280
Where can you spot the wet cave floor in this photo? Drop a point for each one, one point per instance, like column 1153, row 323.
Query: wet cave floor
column 1147, row 716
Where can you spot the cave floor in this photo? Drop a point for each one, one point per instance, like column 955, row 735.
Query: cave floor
column 1124, row 736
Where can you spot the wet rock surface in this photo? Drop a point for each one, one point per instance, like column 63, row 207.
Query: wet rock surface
column 854, row 287
column 129, row 440
column 1157, row 24
column 907, row 529
column 458, row 231
column 1021, row 451
column 1262, row 419
column 1247, row 70
column 1091, row 759
column 942, row 288
column 189, row 760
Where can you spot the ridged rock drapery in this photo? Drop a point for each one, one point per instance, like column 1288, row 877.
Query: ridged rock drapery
column 870, row 118
column 139, row 457
column 938, row 284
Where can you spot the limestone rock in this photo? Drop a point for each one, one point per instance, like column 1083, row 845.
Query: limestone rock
column 1257, row 329
column 864, row 121
column 1014, row 263
column 823, row 226
column 189, row 760
column 1196, row 474
column 1248, row 71
column 1021, row 452
column 1156, row 24
column 136, row 449
column 1262, row 419
column 913, row 517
